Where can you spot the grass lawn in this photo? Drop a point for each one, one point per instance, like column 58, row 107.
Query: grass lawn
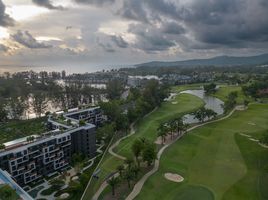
column 224, row 90
column 179, row 88
column 21, row 128
column 148, row 126
column 145, row 128
column 216, row 162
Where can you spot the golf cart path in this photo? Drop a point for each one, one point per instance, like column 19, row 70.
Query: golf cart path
column 110, row 150
column 132, row 132
column 138, row 186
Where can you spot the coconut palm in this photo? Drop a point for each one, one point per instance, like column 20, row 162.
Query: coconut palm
column 113, row 182
column 129, row 162
column 129, row 175
column 162, row 132
column 120, row 169
column 136, row 148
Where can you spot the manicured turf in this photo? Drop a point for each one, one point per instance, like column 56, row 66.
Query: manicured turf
column 224, row 90
column 148, row 126
column 145, row 128
column 17, row 129
column 180, row 88
column 218, row 159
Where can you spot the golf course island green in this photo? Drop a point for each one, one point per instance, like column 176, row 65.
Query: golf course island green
column 217, row 161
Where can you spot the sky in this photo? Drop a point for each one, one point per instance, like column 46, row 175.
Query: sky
column 89, row 35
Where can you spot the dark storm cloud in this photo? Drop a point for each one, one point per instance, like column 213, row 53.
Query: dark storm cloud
column 27, row 40
column 228, row 22
column 134, row 10
column 47, row 4
column 119, row 41
column 5, row 20
column 232, row 23
column 95, row 2
column 149, row 39
column 172, row 28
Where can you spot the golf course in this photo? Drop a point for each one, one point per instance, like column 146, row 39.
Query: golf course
column 147, row 128
column 217, row 161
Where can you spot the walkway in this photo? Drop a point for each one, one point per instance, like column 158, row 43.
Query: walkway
column 138, row 186
column 110, row 150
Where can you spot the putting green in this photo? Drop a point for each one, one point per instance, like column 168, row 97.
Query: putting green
column 216, row 157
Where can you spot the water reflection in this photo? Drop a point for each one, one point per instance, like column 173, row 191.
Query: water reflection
column 211, row 102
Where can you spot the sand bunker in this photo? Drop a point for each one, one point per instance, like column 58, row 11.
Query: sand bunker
column 174, row 102
column 174, row 177
column 75, row 178
column 64, row 196
column 240, row 108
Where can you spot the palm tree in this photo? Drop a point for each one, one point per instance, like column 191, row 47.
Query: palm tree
column 179, row 125
column 173, row 127
column 136, row 148
column 113, row 182
column 129, row 162
column 129, row 177
column 120, row 169
column 162, row 132
column 135, row 169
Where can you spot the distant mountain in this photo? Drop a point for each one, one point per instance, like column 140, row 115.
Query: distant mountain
column 216, row 61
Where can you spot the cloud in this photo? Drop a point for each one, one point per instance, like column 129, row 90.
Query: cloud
column 228, row 22
column 5, row 20
column 95, row 2
column 133, row 10
column 3, row 48
column 172, row 28
column 47, row 4
column 150, row 39
column 104, row 44
column 119, row 41
column 27, row 40
column 232, row 23
column 148, row 11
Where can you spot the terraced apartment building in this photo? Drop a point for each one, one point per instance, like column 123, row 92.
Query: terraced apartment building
column 27, row 160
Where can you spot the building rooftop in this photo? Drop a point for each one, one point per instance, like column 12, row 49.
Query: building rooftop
column 22, row 143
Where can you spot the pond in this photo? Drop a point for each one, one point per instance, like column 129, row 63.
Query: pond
column 211, row 102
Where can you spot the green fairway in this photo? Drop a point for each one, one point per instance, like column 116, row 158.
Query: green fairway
column 216, row 162
column 224, row 90
column 180, row 88
column 147, row 127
